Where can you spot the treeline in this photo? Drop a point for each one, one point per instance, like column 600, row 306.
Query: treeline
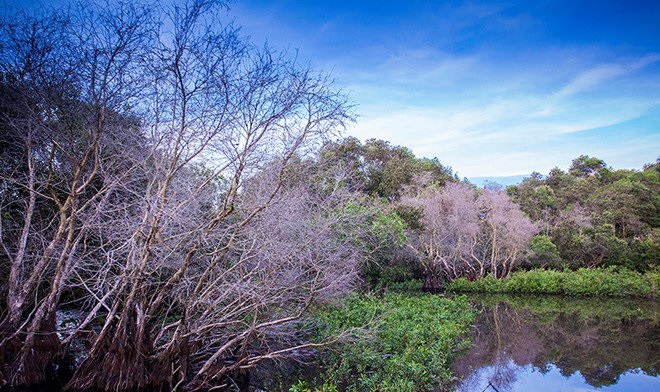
column 591, row 216
column 594, row 215
column 431, row 225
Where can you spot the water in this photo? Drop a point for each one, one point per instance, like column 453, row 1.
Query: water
column 561, row 344
column 526, row 343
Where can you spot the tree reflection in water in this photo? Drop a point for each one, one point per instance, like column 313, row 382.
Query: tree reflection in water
column 601, row 339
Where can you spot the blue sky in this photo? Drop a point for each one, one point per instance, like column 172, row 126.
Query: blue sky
column 491, row 88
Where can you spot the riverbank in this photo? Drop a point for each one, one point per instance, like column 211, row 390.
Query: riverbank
column 608, row 282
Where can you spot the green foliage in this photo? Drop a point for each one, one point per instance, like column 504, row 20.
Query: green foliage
column 543, row 245
column 597, row 216
column 536, row 281
column 408, row 345
column 302, row 386
column 545, row 196
column 584, row 165
column 599, row 246
column 411, row 215
column 536, row 199
column 646, row 251
column 384, row 237
column 380, row 235
column 389, row 227
column 376, row 168
column 367, row 225
column 608, row 282
column 605, row 282
column 545, row 252
column 344, row 156
column 388, row 168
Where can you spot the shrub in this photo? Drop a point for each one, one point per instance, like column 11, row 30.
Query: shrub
column 536, row 281
column 606, row 282
column 302, row 386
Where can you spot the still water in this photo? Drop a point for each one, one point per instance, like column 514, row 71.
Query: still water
column 527, row 343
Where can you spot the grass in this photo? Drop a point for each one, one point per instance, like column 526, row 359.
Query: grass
column 603, row 282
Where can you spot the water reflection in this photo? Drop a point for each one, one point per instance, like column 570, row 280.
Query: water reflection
column 555, row 343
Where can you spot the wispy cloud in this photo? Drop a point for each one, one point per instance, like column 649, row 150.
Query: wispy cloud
column 465, row 130
column 491, row 88
column 602, row 73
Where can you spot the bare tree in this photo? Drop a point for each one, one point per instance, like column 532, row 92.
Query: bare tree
column 447, row 244
column 507, row 230
column 467, row 232
column 136, row 131
column 67, row 77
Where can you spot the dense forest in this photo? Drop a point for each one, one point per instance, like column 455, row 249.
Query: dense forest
column 590, row 216
column 594, row 215
column 186, row 194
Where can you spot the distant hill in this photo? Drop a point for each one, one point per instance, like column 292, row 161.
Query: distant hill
column 504, row 180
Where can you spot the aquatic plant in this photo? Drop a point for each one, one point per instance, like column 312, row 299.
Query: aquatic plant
column 606, row 282
column 408, row 344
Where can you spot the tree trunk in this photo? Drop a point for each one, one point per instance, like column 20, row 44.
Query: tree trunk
column 26, row 358
column 432, row 280
column 123, row 361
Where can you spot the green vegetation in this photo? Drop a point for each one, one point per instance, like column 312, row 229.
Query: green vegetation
column 408, row 346
column 595, row 215
column 302, row 386
column 606, row 282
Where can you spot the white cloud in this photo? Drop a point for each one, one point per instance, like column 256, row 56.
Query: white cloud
column 487, row 113
column 601, row 73
column 506, row 136
column 425, row 65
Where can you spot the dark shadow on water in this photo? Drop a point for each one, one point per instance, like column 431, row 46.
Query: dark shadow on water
column 525, row 343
